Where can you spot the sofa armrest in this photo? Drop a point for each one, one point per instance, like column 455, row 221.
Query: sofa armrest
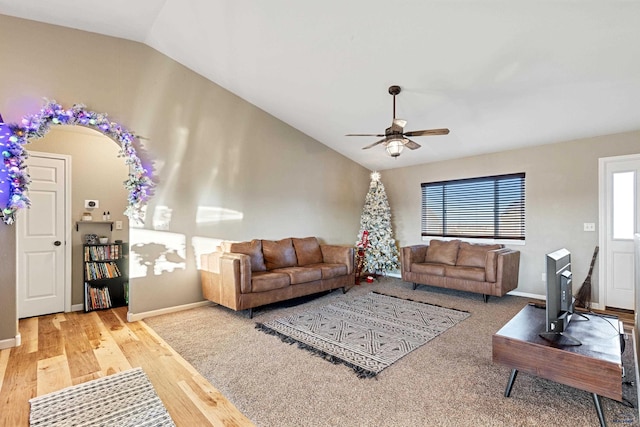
column 507, row 271
column 224, row 277
column 235, row 271
column 491, row 264
column 412, row 254
column 336, row 254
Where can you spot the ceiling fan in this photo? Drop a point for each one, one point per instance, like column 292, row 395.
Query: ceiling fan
column 395, row 138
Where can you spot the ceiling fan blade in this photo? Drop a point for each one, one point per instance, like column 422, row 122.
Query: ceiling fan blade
column 400, row 122
column 375, row 143
column 427, row 132
column 365, row 134
column 411, row 144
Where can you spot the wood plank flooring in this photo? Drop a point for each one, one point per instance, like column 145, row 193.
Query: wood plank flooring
column 65, row 349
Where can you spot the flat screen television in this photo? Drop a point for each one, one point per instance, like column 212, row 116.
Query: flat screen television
column 560, row 299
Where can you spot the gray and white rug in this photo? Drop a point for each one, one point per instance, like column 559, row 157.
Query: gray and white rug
column 123, row 399
column 367, row 333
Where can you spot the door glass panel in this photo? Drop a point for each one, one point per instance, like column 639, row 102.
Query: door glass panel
column 624, row 204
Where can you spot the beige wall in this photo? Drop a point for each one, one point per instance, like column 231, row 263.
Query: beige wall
column 212, row 153
column 561, row 195
column 8, row 308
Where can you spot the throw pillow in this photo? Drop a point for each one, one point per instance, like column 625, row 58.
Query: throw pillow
column 474, row 255
column 254, row 250
column 442, row 252
column 279, row 254
column 307, row 250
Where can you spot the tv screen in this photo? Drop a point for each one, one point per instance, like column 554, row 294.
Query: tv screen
column 560, row 299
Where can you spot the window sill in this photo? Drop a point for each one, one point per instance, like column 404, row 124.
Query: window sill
column 506, row 242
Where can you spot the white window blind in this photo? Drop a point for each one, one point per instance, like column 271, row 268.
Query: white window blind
column 489, row 207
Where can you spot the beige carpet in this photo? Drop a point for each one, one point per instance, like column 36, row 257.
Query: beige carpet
column 450, row 381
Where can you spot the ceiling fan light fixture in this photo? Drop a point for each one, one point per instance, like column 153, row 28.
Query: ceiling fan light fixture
column 394, row 147
column 394, row 137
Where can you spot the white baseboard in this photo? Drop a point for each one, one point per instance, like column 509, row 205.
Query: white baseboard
column 544, row 298
column 77, row 307
column 11, row 342
column 134, row 317
column 527, row 295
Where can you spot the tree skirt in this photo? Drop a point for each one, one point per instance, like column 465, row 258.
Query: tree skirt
column 367, row 333
column 123, row 399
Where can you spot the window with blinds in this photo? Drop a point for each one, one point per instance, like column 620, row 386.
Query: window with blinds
column 489, row 207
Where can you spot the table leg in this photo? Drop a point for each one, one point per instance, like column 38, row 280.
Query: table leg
column 512, row 379
column 596, row 401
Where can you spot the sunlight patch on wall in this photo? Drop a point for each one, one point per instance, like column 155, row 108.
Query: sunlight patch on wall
column 153, row 253
column 162, row 217
column 213, row 214
column 204, row 245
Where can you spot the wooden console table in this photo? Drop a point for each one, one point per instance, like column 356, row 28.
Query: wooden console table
column 595, row 366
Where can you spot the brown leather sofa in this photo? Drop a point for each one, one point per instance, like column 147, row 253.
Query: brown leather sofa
column 484, row 269
column 246, row 275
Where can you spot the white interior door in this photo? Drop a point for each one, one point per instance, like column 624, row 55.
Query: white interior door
column 43, row 273
column 619, row 220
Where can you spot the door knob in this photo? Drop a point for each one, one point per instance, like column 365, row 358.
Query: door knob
column 57, row 243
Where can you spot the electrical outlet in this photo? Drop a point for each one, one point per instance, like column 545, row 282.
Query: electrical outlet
column 544, row 279
column 91, row 204
column 118, row 225
column 589, row 226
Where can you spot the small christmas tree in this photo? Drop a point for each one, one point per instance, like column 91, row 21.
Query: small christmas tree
column 381, row 255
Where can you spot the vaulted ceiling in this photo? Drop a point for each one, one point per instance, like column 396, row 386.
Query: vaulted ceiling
column 498, row 74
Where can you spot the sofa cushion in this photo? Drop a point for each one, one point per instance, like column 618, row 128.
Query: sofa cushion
column 469, row 273
column 329, row 271
column 443, row 252
column 263, row 281
column 307, row 250
column 425, row 268
column 471, row 255
column 254, row 250
column 279, row 254
column 299, row 275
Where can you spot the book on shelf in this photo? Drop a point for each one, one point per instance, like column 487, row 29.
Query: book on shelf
column 102, row 252
column 101, row 270
column 97, row 298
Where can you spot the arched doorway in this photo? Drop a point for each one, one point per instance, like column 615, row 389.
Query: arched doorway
column 138, row 183
column 15, row 136
column 95, row 173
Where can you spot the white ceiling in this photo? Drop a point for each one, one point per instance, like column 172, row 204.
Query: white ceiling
column 498, row 74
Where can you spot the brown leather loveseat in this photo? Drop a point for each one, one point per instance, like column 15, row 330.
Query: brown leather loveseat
column 485, row 269
column 251, row 274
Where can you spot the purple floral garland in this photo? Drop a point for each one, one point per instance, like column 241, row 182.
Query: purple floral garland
column 139, row 183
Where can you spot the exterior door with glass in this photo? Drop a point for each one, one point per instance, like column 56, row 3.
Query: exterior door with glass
column 619, row 220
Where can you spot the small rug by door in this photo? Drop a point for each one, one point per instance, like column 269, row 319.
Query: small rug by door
column 123, row 399
column 367, row 333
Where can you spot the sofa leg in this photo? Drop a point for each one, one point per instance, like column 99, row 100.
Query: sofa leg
column 250, row 313
column 415, row 286
column 485, row 298
column 344, row 290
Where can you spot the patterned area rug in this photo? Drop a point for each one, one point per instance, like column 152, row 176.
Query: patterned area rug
column 123, row 399
column 367, row 333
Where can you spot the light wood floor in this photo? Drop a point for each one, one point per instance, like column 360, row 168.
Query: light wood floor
column 61, row 350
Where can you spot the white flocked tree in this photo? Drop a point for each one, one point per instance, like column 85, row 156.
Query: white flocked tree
column 381, row 256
